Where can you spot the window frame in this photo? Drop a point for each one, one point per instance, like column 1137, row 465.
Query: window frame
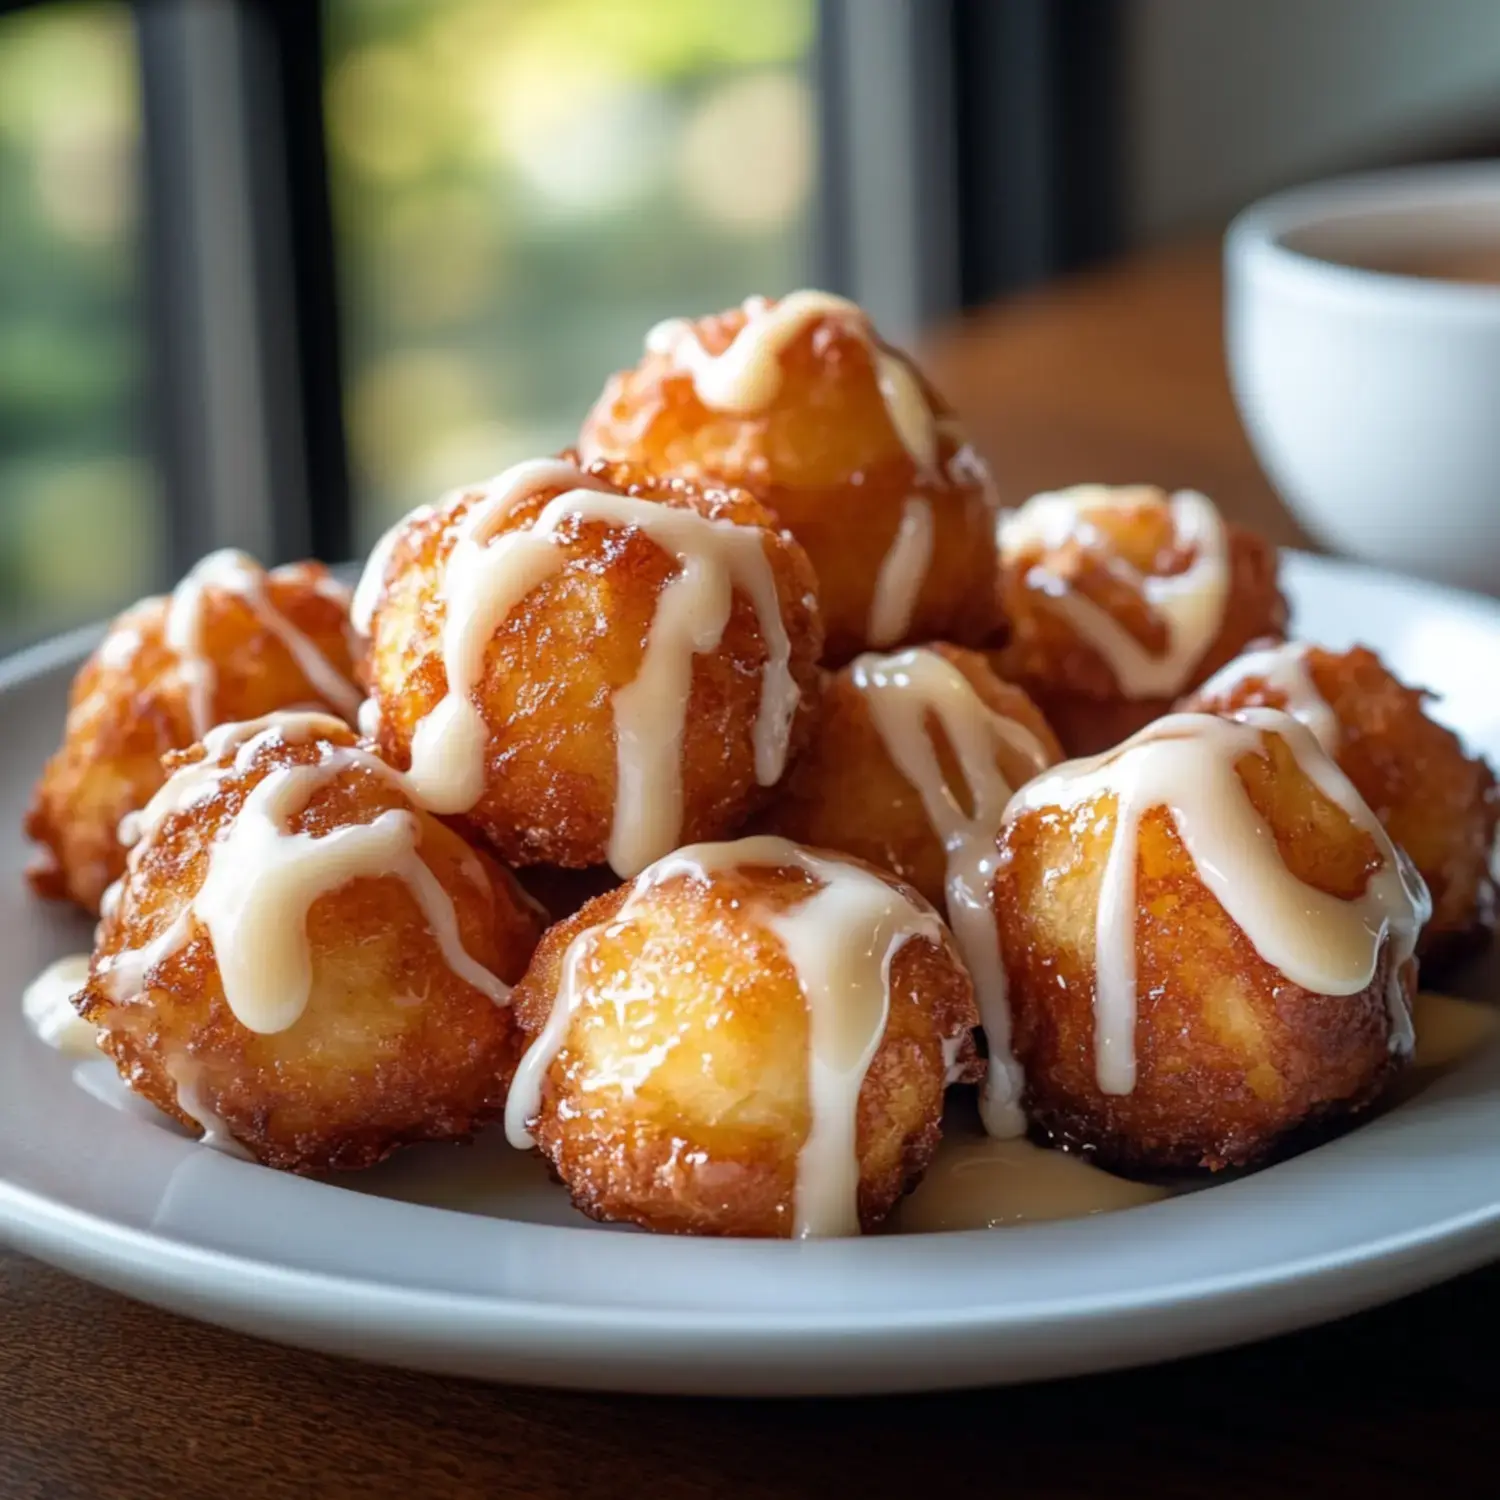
column 239, row 250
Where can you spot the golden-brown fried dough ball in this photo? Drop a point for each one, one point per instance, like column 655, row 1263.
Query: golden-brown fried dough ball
column 1120, row 599
column 1440, row 805
column 1154, row 1028
column 670, row 1079
column 300, row 959
column 847, row 791
column 233, row 642
column 592, row 666
column 801, row 403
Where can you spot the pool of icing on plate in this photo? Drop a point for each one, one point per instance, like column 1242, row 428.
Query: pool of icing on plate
column 975, row 1181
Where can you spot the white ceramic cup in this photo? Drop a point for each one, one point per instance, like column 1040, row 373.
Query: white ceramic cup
column 1372, row 398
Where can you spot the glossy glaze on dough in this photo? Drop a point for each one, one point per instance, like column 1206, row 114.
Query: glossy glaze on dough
column 902, row 573
column 1283, row 669
column 904, row 693
column 746, row 377
column 840, row 940
column 235, row 573
column 1190, row 604
column 1185, row 763
column 487, row 575
column 262, row 879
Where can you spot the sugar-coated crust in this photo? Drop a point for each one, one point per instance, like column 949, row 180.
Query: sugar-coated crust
column 1071, row 683
column 393, row 1046
column 705, row 1138
column 554, row 664
column 846, row 793
column 826, row 459
column 128, row 707
column 1439, row 804
column 1231, row 1056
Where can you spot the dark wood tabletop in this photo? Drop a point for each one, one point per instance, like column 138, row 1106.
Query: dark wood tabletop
column 1115, row 377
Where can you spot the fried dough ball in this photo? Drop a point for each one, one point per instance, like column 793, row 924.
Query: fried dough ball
column 847, row 793
column 1440, row 805
column 300, row 959
column 1231, row 1058
column 168, row 670
column 1119, row 599
column 843, row 438
column 676, row 1094
column 541, row 777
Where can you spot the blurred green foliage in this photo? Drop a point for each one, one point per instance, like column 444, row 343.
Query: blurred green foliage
column 521, row 187
column 78, row 518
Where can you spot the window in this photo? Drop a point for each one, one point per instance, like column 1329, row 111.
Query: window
column 520, row 190
column 80, row 521
column 393, row 245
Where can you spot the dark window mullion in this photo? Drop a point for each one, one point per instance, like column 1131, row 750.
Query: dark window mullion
column 1040, row 122
column 300, row 51
column 888, row 196
column 239, row 252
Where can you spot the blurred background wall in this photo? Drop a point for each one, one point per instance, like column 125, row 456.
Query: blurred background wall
column 1228, row 101
column 273, row 271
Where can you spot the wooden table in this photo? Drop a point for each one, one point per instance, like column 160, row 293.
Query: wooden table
column 1115, row 377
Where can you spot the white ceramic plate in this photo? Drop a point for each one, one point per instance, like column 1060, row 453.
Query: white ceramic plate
column 541, row 1296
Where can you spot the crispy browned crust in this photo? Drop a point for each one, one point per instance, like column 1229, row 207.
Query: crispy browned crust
column 707, row 1140
column 845, row 792
column 554, row 664
column 125, row 712
column 825, row 457
column 1070, row 682
column 1231, row 1057
column 1441, row 805
column 393, row 1046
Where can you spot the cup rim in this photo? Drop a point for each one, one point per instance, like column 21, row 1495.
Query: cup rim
column 1255, row 238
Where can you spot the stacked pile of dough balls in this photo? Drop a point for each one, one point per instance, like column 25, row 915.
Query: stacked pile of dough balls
column 759, row 669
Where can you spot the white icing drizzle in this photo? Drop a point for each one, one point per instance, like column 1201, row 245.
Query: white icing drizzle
column 262, row 880
column 840, row 940
column 486, row 579
column 481, row 585
column 903, row 571
column 904, row 693
column 1283, row 669
column 47, row 1005
column 1190, row 604
column 1185, row 763
column 907, row 407
column 198, row 780
column 120, row 646
column 745, row 378
column 367, row 718
column 953, row 1067
column 232, row 572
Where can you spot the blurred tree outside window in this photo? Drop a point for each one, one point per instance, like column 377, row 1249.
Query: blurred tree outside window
column 79, row 510
column 521, row 187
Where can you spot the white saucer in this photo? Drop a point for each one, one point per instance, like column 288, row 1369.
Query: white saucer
column 544, row 1297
